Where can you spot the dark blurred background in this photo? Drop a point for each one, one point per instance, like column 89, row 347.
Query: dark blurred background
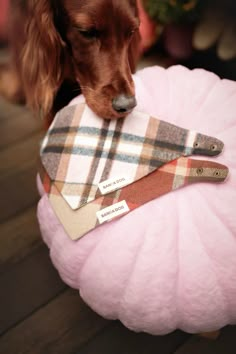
column 195, row 33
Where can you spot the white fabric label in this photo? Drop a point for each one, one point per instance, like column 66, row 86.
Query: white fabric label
column 112, row 211
column 113, row 184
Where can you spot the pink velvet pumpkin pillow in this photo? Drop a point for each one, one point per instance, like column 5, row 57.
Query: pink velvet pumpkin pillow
column 170, row 263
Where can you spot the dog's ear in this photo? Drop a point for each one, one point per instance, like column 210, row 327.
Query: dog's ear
column 134, row 48
column 43, row 56
column 134, row 51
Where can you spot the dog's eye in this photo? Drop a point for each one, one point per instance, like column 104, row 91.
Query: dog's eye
column 133, row 31
column 88, row 34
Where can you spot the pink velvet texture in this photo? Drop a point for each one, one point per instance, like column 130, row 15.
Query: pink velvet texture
column 170, row 263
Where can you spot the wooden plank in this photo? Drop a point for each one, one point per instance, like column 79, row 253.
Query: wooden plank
column 17, row 123
column 18, row 237
column 117, row 339
column 26, row 287
column 224, row 344
column 19, row 156
column 18, row 171
column 18, row 192
column 58, row 328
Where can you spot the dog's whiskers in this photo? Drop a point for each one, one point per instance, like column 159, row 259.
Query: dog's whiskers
column 87, row 88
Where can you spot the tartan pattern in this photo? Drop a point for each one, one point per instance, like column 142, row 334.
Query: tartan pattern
column 167, row 178
column 81, row 150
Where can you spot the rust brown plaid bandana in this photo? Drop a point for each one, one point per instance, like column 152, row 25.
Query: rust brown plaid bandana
column 169, row 177
column 81, row 151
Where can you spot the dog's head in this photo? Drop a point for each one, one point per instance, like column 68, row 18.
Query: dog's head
column 93, row 41
column 101, row 33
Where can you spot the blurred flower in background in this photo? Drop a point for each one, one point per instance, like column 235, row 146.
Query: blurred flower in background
column 172, row 11
column 188, row 25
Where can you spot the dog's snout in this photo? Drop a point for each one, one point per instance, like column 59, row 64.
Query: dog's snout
column 123, row 103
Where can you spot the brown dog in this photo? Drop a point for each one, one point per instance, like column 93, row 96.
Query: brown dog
column 62, row 47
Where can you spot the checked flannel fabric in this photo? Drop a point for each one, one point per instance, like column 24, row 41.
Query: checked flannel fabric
column 81, row 150
column 167, row 178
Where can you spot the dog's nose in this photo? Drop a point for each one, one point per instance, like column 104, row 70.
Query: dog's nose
column 123, row 103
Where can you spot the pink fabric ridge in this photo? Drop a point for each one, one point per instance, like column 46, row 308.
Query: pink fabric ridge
column 170, row 263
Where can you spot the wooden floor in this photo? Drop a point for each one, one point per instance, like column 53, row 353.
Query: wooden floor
column 38, row 312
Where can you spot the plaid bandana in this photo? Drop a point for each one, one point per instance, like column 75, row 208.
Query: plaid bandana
column 169, row 177
column 81, row 150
